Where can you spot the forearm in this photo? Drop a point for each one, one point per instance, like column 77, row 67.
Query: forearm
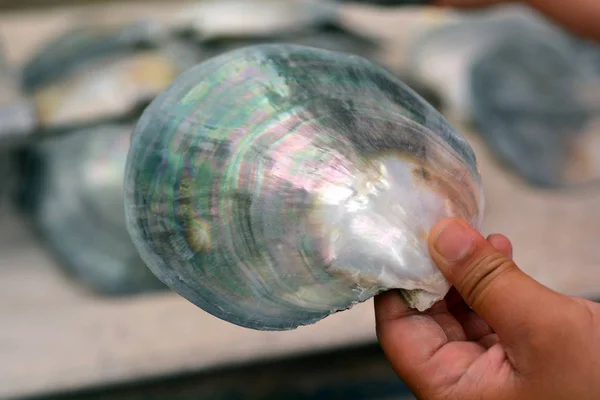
column 582, row 17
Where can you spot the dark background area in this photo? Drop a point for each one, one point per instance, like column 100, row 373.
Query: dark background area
column 359, row 373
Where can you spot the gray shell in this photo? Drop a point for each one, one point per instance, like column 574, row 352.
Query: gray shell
column 536, row 103
column 60, row 56
column 79, row 210
column 211, row 19
column 111, row 87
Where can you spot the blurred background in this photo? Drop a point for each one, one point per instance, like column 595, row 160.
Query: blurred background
column 81, row 317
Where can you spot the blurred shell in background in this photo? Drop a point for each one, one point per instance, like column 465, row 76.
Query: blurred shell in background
column 89, row 94
column 107, row 84
column 111, row 86
column 9, row 82
column 12, row 117
column 58, row 57
column 78, row 209
column 536, row 100
column 392, row 3
column 212, row 19
column 442, row 56
column 328, row 37
column 277, row 184
column 93, row 74
column 527, row 85
column 224, row 25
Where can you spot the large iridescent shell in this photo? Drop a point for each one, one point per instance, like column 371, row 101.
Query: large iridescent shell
column 277, row 184
column 78, row 209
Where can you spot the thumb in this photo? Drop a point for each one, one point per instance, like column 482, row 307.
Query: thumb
column 507, row 299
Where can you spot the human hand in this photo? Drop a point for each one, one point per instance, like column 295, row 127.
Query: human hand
column 579, row 16
column 510, row 338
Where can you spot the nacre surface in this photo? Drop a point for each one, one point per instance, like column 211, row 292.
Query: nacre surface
column 277, row 184
column 78, row 209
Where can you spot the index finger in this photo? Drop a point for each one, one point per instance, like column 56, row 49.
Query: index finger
column 426, row 350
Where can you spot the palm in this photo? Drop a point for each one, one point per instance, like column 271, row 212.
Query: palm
column 449, row 345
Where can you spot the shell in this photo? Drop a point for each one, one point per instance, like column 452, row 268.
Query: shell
column 16, row 114
column 388, row 3
column 329, row 38
column 213, row 19
column 10, row 119
column 111, row 87
column 60, row 56
column 442, row 57
column 277, row 184
column 225, row 25
column 78, row 209
column 94, row 75
column 536, row 104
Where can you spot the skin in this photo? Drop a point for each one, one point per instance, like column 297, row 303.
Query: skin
column 579, row 16
column 499, row 334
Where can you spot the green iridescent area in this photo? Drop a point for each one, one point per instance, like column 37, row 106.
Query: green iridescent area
column 250, row 187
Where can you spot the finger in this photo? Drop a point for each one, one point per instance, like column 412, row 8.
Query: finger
column 410, row 338
column 489, row 282
column 453, row 299
column 406, row 336
column 489, row 340
column 472, row 324
column 391, row 311
column 502, row 244
column 579, row 16
column 474, row 327
column 419, row 348
column 451, row 327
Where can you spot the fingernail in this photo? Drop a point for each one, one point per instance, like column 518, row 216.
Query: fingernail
column 453, row 241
